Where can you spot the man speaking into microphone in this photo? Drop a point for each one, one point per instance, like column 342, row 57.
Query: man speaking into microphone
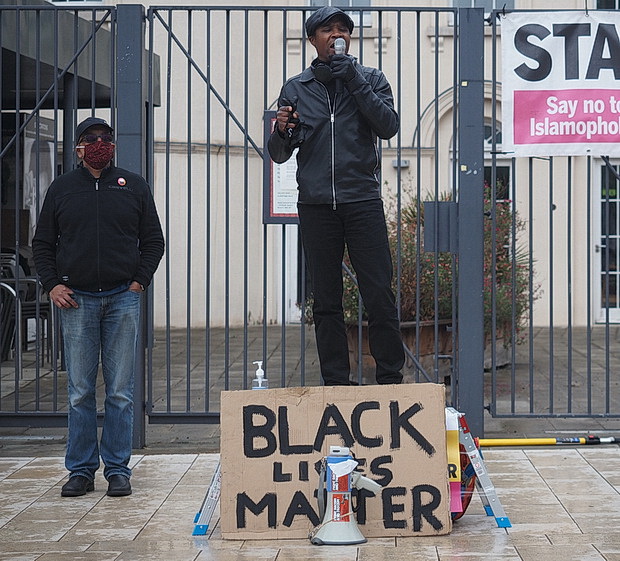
column 334, row 112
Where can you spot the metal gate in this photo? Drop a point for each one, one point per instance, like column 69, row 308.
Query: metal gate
column 231, row 289
column 560, row 354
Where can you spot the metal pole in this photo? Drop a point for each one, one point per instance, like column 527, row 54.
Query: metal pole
column 130, row 154
column 470, row 366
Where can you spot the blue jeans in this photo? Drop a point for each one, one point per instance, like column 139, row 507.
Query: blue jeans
column 324, row 232
column 106, row 327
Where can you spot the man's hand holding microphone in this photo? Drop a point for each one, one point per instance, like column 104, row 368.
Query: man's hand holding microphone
column 341, row 65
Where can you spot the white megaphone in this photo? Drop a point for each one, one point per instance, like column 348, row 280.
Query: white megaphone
column 339, row 526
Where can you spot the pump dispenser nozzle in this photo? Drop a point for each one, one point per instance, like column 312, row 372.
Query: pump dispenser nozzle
column 260, row 382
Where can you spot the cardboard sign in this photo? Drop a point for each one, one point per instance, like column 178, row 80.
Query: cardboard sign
column 273, row 441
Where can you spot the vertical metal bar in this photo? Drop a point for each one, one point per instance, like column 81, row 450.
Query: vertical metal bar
column 437, row 91
column 55, row 311
column 589, row 283
column 168, row 213
column 492, row 217
column 530, row 245
column 514, row 328
column 188, row 241
column 227, row 213
column 113, row 45
column 209, row 36
column 569, row 280
column 418, row 193
column 492, row 341
column 551, row 291
column 18, row 166
column 265, row 229
column 607, row 273
column 283, row 234
column 37, row 189
column 246, row 188
column 454, row 262
column 130, row 79
column 150, row 177
column 1, row 147
column 93, row 58
column 265, row 246
column 130, row 155
column 302, row 260
column 399, row 143
column 283, row 311
column 470, row 225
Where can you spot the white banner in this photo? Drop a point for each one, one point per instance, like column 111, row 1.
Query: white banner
column 561, row 83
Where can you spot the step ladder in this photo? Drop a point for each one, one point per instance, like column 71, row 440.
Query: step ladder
column 490, row 500
column 203, row 516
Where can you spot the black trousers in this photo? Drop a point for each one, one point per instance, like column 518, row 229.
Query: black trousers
column 324, row 232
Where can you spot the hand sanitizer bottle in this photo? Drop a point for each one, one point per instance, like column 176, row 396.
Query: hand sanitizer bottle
column 260, row 382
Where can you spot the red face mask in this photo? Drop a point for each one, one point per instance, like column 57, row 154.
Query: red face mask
column 98, row 154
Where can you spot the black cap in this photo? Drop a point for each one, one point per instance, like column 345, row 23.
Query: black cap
column 90, row 122
column 323, row 14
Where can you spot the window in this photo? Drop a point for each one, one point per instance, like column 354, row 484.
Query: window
column 341, row 3
column 607, row 4
column 502, row 166
column 488, row 5
column 344, row 4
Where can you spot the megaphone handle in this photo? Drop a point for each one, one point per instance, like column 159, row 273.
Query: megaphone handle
column 320, row 496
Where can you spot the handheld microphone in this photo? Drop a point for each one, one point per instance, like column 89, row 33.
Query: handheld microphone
column 339, row 49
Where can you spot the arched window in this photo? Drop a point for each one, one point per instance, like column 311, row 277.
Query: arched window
column 502, row 165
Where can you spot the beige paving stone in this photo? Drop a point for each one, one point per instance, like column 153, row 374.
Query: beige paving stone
column 10, row 465
column 474, row 552
column 309, row 552
column 85, row 556
column 373, row 553
column 538, row 513
column 607, row 540
column 597, row 522
column 544, row 528
column 548, row 456
column 209, row 555
column 179, row 555
column 559, row 553
column 594, row 485
column 37, row 547
column 591, row 504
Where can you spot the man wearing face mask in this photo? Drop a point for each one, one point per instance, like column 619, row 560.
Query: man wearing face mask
column 97, row 245
column 334, row 111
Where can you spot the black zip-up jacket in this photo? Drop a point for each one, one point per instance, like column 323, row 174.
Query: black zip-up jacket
column 338, row 159
column 97, row 234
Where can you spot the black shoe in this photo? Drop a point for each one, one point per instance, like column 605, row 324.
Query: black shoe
column 77, row 486
column 119, row 486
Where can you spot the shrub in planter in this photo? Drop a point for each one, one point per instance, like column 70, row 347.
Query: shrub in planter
column 425, row 283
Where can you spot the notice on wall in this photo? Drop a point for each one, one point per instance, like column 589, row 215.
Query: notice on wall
column 273, row 441
column 560, row 83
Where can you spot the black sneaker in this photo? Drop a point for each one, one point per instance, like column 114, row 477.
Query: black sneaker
column 118, row 486
column 77, row 486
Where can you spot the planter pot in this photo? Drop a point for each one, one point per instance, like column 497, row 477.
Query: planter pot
column 411, row 334
column 502, row 353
